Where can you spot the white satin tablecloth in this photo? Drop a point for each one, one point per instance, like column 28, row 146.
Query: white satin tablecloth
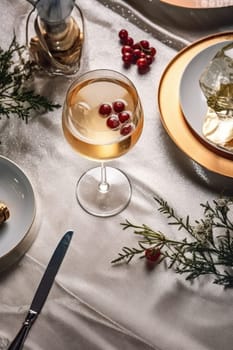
column 94, row 305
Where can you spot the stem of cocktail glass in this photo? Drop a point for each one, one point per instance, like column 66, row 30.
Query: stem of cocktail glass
column 103, row 185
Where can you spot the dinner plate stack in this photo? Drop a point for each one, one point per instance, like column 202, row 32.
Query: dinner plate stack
column 183, row 116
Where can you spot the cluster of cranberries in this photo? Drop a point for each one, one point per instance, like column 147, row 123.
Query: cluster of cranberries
column 140, row 53
column 117, row 117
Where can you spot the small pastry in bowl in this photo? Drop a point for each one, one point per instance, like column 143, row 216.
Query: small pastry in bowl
column 4, row 212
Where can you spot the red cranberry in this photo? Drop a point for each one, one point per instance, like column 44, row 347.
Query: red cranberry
column 127, row 57
column 152, row 254
column 113, row 122
column 127, row 65
column 142, row 63
column 123, row 116
column 136, row 53
column 130, row 41
column 136, row 46
column 145, row 44
column 126, row 129
column 118, row 106
column 105, row 109
column 152, row 51
column 126, row 48
column 143, row 70
column 123, row 34
column 149, row 59
column 142, row 54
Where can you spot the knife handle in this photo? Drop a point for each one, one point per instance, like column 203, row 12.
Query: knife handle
column 19, row 339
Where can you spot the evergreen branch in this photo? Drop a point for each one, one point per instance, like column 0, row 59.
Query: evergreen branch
column 169, row 212
column 202, row 252
column 16, row 99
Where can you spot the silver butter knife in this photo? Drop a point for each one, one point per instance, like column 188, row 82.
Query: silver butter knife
column 42, row 291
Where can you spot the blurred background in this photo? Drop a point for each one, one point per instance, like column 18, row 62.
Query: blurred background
column 185, row 23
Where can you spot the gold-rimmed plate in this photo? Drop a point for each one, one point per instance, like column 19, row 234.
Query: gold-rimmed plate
column 17, row 193
column 171, row 114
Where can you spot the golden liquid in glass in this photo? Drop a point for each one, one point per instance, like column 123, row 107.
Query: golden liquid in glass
column 86, row 130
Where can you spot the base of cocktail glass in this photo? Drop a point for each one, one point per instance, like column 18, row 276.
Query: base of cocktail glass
column 103, row 199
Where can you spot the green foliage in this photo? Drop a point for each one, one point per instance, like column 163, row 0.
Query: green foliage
column 15, row 98
column 207, row 249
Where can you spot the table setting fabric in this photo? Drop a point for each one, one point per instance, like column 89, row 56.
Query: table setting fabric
column 94, row 305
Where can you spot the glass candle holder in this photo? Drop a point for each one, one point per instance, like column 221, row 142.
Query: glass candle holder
column 55, row 36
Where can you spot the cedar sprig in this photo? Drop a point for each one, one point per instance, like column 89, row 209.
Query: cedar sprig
column 16, row 96
column 207, row 248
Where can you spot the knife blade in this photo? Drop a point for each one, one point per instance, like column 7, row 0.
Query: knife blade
column 42, row 291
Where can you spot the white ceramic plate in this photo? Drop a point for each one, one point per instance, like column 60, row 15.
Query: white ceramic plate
column 192, row 100
column 17, row 193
